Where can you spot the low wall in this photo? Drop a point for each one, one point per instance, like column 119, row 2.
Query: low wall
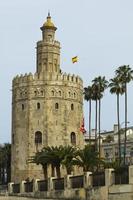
column 121, row 192
column 17, row 198
column 88, row 189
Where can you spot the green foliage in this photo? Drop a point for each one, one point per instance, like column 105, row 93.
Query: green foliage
column 88, row 93
column 109, row 139
column 116, row 86
column 67, row 156
column 88, row 159
column 5, row 162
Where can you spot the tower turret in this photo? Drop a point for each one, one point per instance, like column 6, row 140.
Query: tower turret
column 48, row 49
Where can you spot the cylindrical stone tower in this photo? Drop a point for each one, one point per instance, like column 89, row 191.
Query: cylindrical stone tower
column 47, row 107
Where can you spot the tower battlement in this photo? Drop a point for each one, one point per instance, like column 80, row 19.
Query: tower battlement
column 27, row 78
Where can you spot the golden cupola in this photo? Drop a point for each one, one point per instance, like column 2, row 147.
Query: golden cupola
column 48, row 24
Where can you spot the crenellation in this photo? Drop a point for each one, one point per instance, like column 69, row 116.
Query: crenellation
column 57, row 43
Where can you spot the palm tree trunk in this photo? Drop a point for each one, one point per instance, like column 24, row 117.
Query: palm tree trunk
column 119, row 133
column 45, row 172
column 68, row 169
column 90, row 121
column 96, row 127
column 52, row 170
column 58, row 171
column 99, row 127
column 125, row 139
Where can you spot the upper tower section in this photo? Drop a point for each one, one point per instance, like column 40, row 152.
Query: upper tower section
column 48, row 49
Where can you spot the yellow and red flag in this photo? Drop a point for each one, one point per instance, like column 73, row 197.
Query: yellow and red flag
column 75, row 59
column 82, row 128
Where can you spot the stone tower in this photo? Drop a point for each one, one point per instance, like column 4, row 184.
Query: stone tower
column 47, row 107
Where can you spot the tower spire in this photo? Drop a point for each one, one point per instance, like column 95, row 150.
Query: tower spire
column 49, row 13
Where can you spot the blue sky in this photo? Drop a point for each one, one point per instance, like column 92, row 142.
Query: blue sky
column 99, row 32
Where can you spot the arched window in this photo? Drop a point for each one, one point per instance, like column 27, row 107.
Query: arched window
column 22, row 106
column 38, row 106
column 69, row 94
column 60, row 93
column 42, row 92
column 74, row 95
column 73, row 138
column 52, row 92
column 38, row 137
column 56, row 106
column 72, row 106
column 35, row 92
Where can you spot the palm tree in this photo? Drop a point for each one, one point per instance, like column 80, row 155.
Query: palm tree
column 41, row 158
column 100, row 84
column 69, row 153
column 117, row 88
column 87, row 158
column 55, row 157
column 95, row 97
column 88, row 97
column 125, row 74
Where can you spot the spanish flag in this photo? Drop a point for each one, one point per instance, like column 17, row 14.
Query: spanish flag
column 82, row 128
column 75, row 59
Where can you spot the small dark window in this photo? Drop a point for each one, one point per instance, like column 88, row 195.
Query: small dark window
column 52, row 92
column 56, row 106
column 13, row 138
column 22, row 106
column 73, row 138
column 72, row 106
column 35, row 92
column 38, row 137
column 41, row 92
column 38, row 106
column 59, row 93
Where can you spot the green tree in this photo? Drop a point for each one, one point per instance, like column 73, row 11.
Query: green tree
column 109, row 138
column 69, row 153
column 95, row 98
column 87, row 158
column 100, row 84
column 5, row 163
column 55, row 156
column 125, row 74
column 41, row 158
column 117, row 88
column 88, row 92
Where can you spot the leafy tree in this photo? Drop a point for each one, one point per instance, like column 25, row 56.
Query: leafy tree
column 125, row 74
column 5, row 163
column 109, row 139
